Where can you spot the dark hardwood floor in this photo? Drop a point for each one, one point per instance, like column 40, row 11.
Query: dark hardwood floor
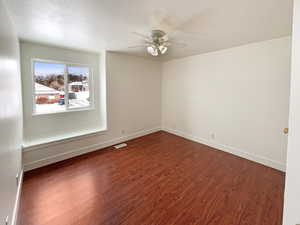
column 159, row 179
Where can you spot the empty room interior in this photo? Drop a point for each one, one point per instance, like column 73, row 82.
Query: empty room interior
column 149, row 112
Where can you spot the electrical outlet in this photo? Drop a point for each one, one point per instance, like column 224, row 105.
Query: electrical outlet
column 122, row 145
column 123, row 131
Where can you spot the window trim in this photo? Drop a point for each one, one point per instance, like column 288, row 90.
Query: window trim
column 66, row 65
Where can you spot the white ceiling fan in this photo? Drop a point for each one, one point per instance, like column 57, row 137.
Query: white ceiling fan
column 157, row 42
column 163, row 25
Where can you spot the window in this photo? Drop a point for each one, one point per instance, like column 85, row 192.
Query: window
column 60, row 87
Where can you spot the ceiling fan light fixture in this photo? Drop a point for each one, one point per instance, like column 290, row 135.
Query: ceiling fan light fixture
column 152, row 50
column 163, row 49
column 157, row 43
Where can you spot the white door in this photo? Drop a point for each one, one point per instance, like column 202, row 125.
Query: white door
column 291, row 214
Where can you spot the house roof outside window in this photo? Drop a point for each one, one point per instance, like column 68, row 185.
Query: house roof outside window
column 42, row 89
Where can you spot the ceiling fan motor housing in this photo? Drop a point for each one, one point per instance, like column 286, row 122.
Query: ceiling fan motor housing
column 157, row 36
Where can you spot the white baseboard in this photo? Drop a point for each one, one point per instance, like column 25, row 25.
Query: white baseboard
column 244, row 154
column 17, row 201
column 65, row 155
column 90, row 148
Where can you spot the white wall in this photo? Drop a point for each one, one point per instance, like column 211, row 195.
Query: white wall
column 291, row 214
column 44, row 128
column 10, row 116
column 238, row 95
column 134, row 109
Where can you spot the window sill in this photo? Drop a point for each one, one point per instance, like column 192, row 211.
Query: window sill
column 65, row 111
column 28, row 146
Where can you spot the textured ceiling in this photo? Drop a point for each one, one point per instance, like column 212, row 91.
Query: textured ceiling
column 204, row 25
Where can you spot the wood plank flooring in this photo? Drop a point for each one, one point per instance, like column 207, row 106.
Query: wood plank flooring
column 159, row 179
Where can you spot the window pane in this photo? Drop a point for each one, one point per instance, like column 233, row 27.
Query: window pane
column 78, row 87
column 49, row 87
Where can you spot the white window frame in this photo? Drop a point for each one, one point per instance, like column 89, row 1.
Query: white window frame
column 66, row 65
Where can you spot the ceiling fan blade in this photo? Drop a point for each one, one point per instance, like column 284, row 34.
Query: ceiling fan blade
column 177, row 44
column 201, row 20
column 192, row 26
column 138, row 46
column 161, row 19
column 139, row 34
column 145, row 37
column 149, row 42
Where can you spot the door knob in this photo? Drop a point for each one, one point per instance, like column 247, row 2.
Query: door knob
column 286, row 130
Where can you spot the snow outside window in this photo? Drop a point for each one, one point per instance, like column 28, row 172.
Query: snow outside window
column 61, row 87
